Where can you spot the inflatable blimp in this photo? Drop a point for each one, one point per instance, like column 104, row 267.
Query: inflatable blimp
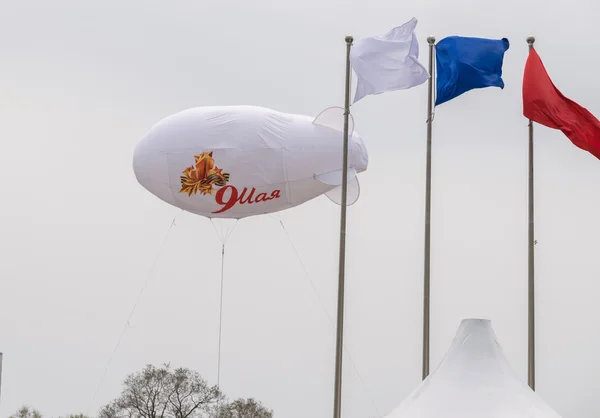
column 239, row 161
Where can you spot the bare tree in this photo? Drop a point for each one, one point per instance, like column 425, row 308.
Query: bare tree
column 245, row 408
column 164, row 393
column 26, row 412
column 191, row 395
column 77, row 416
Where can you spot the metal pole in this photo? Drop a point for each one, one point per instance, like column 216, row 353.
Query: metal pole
column 0, row 375
column 218, row 412
column 530, row 262
column 337, row 399
column 426, row 278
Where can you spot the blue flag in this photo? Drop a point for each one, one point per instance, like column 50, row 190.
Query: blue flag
column 465, row 64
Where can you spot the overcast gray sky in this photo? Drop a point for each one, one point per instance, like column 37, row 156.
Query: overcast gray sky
column 82, row 82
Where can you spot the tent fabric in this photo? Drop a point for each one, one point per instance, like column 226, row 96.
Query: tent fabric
column 474, row 380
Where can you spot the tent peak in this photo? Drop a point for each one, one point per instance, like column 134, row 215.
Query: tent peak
column 478, row 321
column 473, row 380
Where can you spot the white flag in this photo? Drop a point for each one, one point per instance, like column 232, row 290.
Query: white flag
column 389, row 62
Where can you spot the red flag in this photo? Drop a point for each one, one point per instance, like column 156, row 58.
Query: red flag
column 545, row 104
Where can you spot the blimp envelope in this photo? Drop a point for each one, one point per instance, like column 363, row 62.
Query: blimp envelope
column 238, row 161
column 474, row 380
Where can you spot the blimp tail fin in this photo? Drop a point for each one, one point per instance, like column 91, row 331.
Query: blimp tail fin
column 333, row 117
column 353, row 192
column 334, row 178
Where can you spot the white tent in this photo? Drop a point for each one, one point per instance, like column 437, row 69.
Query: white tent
column 474, row 380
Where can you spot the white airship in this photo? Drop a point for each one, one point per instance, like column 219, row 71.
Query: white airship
column 239, row 161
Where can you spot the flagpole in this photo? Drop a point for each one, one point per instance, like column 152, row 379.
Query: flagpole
column 337, row 400
column 426, row 279
column 0, row 375
column 530, row 262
